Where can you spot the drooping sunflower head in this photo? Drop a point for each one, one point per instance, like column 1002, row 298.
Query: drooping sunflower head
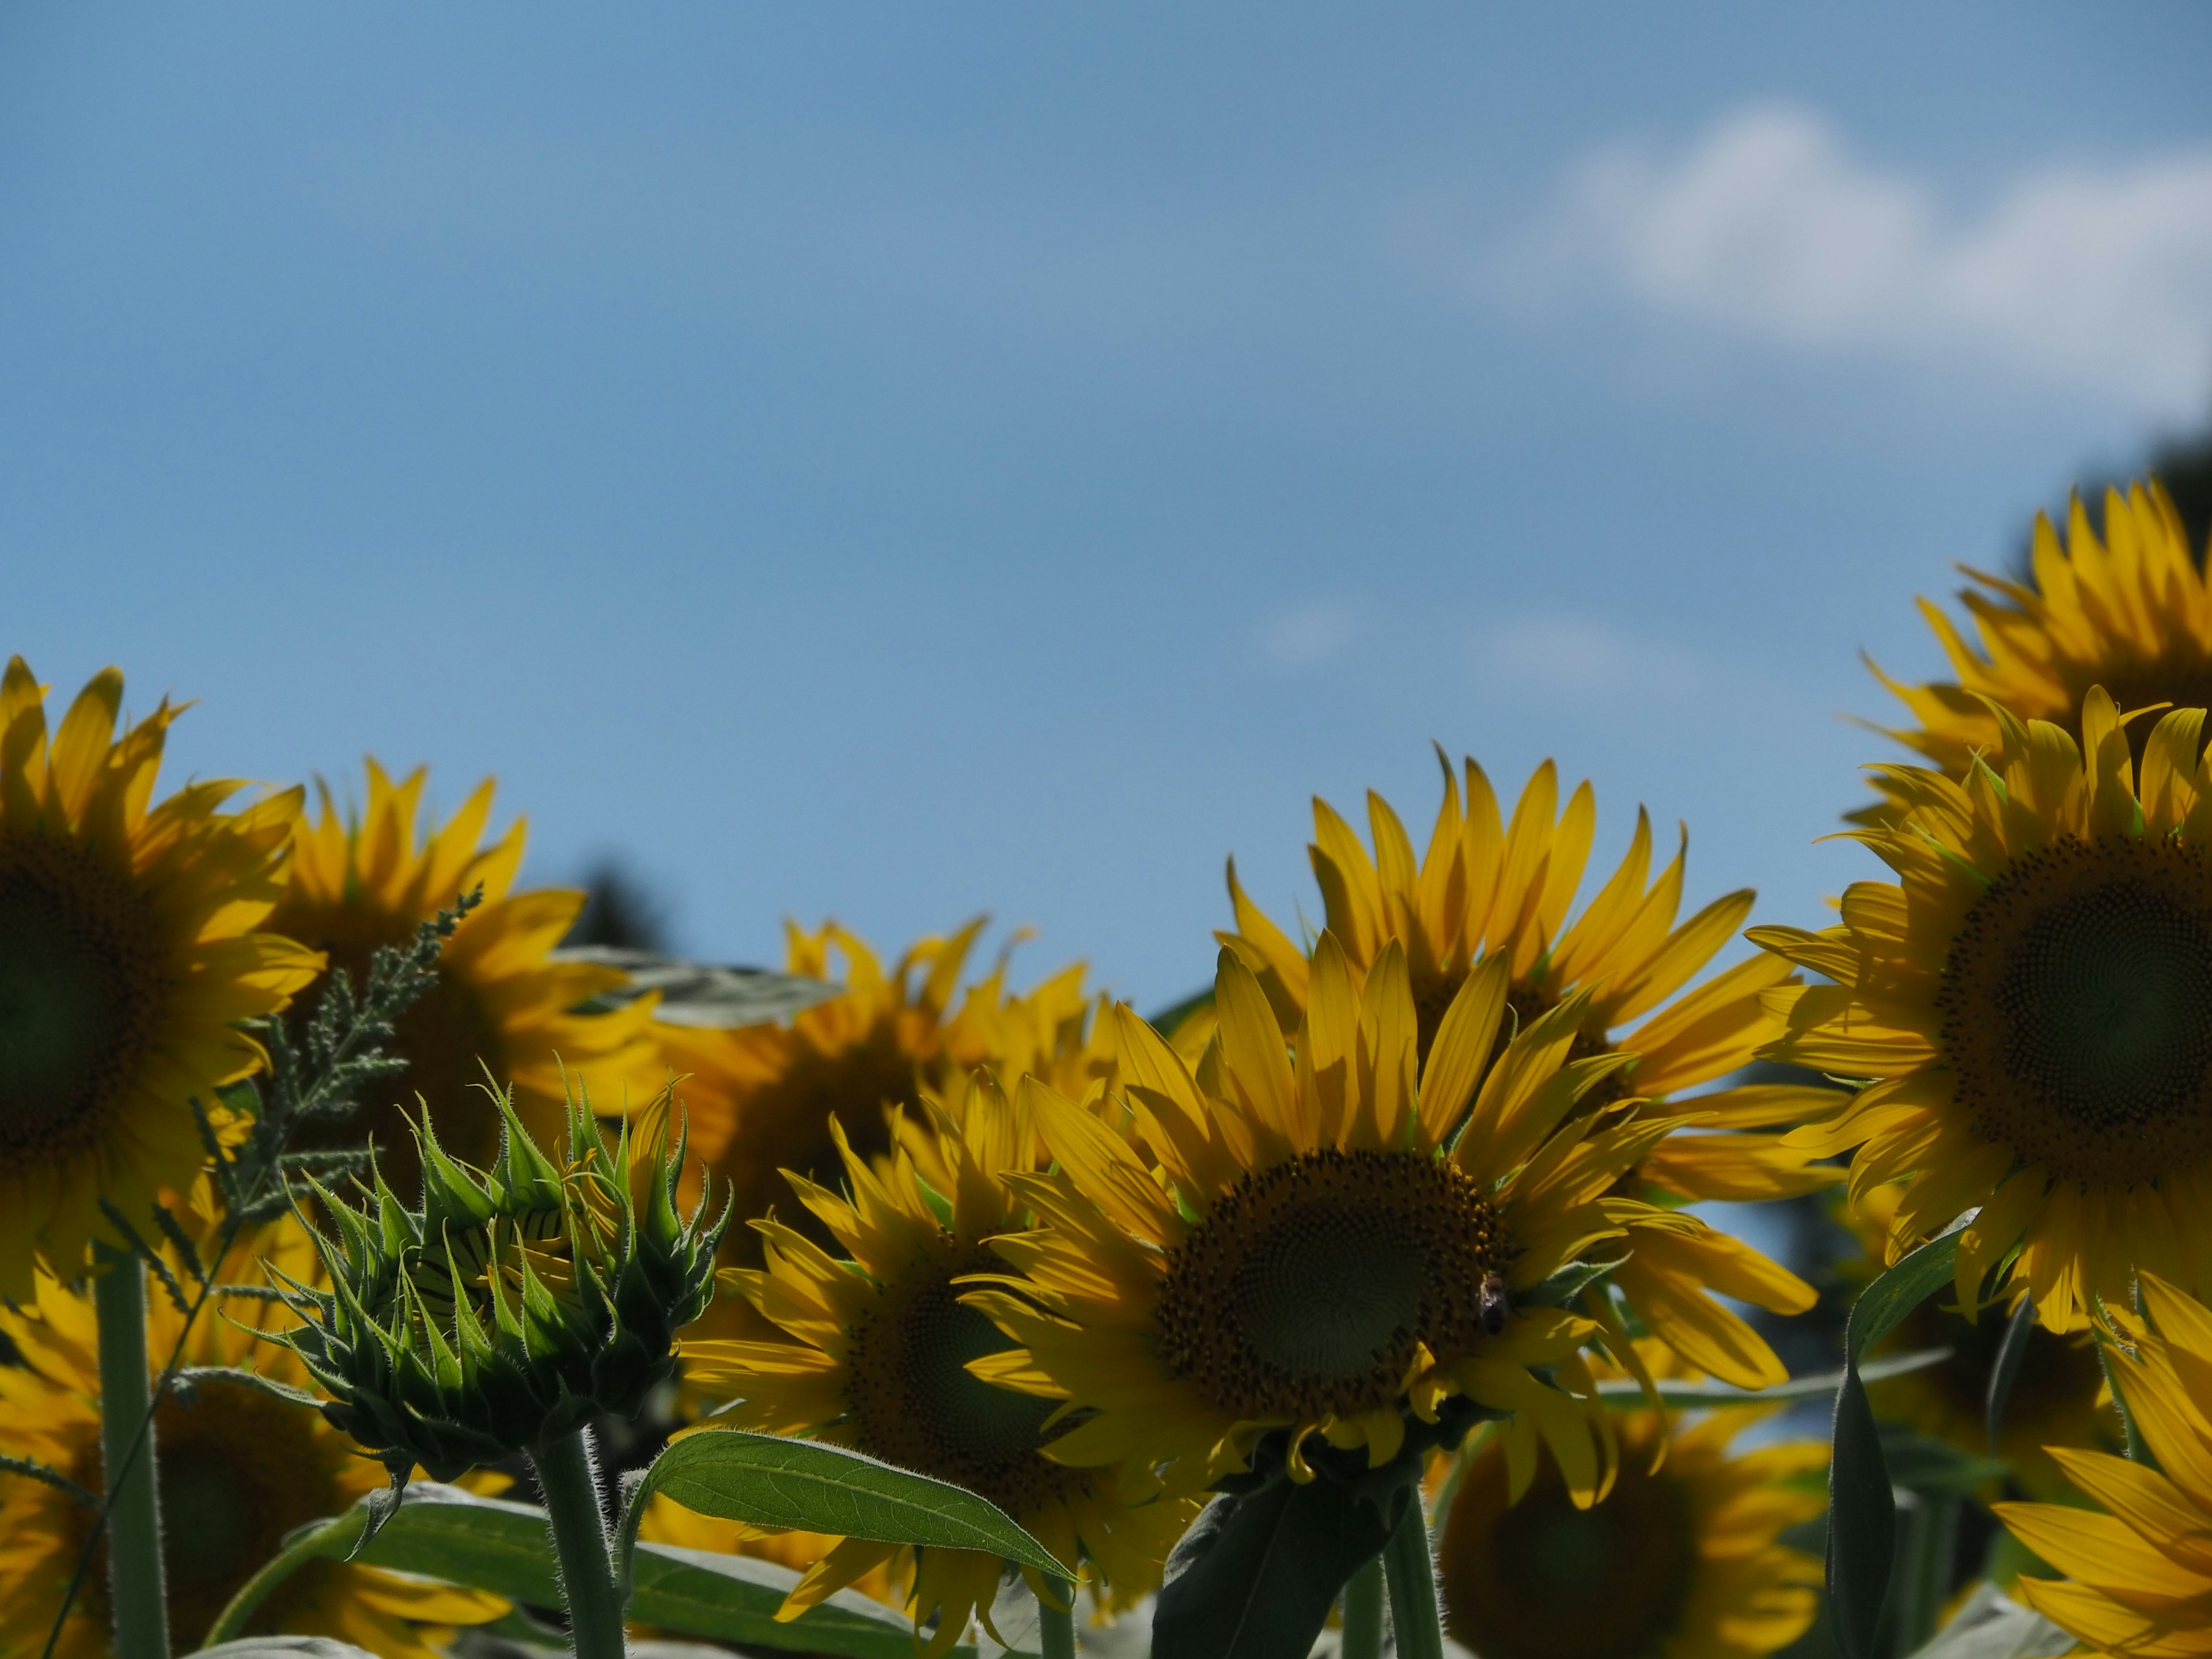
column 1307, row 1240
column 2130, row 611
column 502, row 1003
column 238, row 1469
column 129, row 952
column 876, row 1347
column 2032, row 1002
column 1490, row 891
column 1682, row 1559
column 762, row 1099
column 2139, row 1575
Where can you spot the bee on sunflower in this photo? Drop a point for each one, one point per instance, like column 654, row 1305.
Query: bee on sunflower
column 875, row 1349
column 501, row 1002
column 2130, row 611
column 2031, row 1006
column 240, row 1467
column 1485, row 889
column 2139, row 1573
column 133, row 939
column 1687, row 1548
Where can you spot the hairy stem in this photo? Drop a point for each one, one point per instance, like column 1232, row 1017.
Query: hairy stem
column 1413, row 1579
column 1363, row 1613
column 133, row 1513
column 1055, row 1625
column 569, row 1476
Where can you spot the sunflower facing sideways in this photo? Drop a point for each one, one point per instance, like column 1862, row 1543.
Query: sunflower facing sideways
column 1326, row 1247
column 874, row 1351
column 238, row 1469
column 1682, row 1561
column 2131, row 611
column 2139, row 1574
column 128, row 953
column 1487, row 890
column 2031, row 1003
column 500, row 1002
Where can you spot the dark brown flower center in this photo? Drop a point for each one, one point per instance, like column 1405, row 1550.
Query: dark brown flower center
column 1307, row 1287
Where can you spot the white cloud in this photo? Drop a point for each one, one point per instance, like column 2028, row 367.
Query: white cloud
column 2100, row 279
column 1308, row 636
column 1573, row 657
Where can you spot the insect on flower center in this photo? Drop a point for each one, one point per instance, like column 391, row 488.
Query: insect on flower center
column 83, row 982
column 1309, row 1287
column 2077, row 1009
column 914, row 1401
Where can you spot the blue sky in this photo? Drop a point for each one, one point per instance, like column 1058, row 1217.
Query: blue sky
column 899, row 462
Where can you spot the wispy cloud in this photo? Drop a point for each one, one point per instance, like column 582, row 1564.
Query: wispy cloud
column 2097, row 277
column 1308, row 635
column 1574, row 658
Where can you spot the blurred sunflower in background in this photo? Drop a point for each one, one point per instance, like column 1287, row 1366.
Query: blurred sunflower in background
column 238, row 1469
column 2130, row 611
column 874, row 1349
column 1309, row 1257
column 1487, row 889
column 2055, row 1399
column 667, row 1522
column 501, row 1000
column 2032, row 1002
column 1683, row 1559
column 132, row 941
column 2139, row 1574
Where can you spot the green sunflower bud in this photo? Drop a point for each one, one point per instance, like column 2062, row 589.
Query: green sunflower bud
column 516, row 1304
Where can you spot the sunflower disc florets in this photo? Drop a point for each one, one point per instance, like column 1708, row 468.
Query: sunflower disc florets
column 516, row 1304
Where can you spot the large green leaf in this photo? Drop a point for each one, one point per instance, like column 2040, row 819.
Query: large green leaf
column 1625, row 1393
column 803, row 1485
column 1862, row 1508
column 490, row 1544
column 700, row 993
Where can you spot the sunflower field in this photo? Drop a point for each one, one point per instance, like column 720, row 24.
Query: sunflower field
column 383, row 1271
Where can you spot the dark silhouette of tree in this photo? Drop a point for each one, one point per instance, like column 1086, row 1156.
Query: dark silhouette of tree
column 620, row 908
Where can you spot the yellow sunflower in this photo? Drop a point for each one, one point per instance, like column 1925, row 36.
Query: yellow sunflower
column 2140, row 1574
column 128, row 955
column 2032, row 1002
column 238, row 1469
column 875, row 1351
column 2055, row 1398
column 2131, row 613
column 1682, row 1561
column 1318, row 1253
column 1485, row 889
column 501, row 1001
column 667, row 1521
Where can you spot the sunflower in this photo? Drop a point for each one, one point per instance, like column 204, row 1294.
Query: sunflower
column 1682, row 1561
column 2055, row 1397
column 238, row 1469
column 2131, row 613
column 1485, row 889
column 2032, row 1003
column 1325, row 1245
column 667, row 1521
column 501, row 1001
column 128, row 956
column 875, row 1352
column 2140, row 1574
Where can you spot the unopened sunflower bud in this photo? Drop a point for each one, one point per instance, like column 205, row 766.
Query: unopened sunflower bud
column 517, row 1303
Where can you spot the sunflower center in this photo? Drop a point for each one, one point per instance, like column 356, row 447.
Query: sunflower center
column 915, row 1402
column 1554, row 1582
column 1308, row 1287
column 83, row 980
column 2077, row 1009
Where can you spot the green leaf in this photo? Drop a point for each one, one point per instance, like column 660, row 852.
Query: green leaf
column 1989, row 1626
column 734, row 1598
column 195, row 1374
column 2010, row 1352
column 699, row 993
column 1862, row 1508
column 803, row 1485
column 1936, row 1469
column 1257, row 1573
column 1625, row 1393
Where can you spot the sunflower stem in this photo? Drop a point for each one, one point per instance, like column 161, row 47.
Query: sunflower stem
column 136, row 1590
column 1363, row 1613
column 1056, row 1624
column 1412, row 1574
column 569, row 1477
